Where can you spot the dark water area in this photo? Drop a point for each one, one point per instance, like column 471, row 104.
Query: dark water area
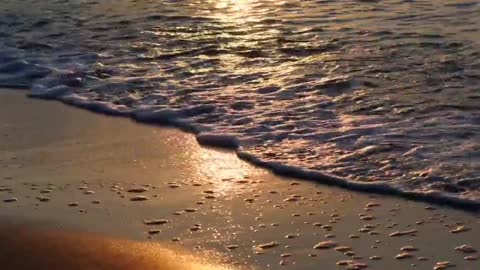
column 376, row 93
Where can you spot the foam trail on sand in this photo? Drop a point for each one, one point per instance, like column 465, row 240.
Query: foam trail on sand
column 172, row 117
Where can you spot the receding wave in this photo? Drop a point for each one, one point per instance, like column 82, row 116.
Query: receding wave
column 376, row 96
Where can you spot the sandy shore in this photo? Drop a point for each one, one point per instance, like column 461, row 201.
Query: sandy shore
column 75, row 173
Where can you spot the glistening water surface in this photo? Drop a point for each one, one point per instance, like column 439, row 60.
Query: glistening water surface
column 382, row 92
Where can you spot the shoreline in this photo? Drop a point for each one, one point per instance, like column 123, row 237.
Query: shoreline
column 68, row 170
column 231, row 143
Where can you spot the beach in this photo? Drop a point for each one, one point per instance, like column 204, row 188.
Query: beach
column 239, row 134
column 80, row 175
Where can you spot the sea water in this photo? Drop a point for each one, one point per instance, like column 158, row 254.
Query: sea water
column 369, row 94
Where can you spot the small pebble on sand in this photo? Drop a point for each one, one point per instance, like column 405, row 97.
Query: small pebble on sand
column 267, row 245
column 343, row 248
column 403, row 255
column 327, row 227
column 232, row 247
column 195, row 228
column 155, row 221
column 344, row 262
column 43, row 199
column 137, row 190
column 138, row 198
column 471, row 258
column 408, row 248
column 325, row 245
column 443, row 265
column 466, row 249
column 290, row 236
column 402, row 233
column 372, row 204
column 460, row 229
column 291, row 199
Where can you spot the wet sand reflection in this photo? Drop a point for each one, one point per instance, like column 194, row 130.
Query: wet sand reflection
column 25, row 249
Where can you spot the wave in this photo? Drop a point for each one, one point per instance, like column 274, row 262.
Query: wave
column 179, row 118
column 365, row 106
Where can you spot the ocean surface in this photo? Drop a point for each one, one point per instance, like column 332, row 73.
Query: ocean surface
column 374, row 95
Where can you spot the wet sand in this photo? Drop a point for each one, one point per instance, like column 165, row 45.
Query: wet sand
column 56, row 250
column 78, row 173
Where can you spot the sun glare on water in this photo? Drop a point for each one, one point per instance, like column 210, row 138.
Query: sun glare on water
column 223, row 167
column 233, row 4
column 232, row 9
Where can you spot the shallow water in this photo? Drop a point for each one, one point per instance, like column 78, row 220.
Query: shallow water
column 369, row 91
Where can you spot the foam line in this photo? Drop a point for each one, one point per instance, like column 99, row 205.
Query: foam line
column 174, row 118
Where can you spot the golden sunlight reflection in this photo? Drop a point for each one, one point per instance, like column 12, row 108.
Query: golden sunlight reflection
column 233, row 10
column 83, row 251
column 223, row 168
column 236, row 5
